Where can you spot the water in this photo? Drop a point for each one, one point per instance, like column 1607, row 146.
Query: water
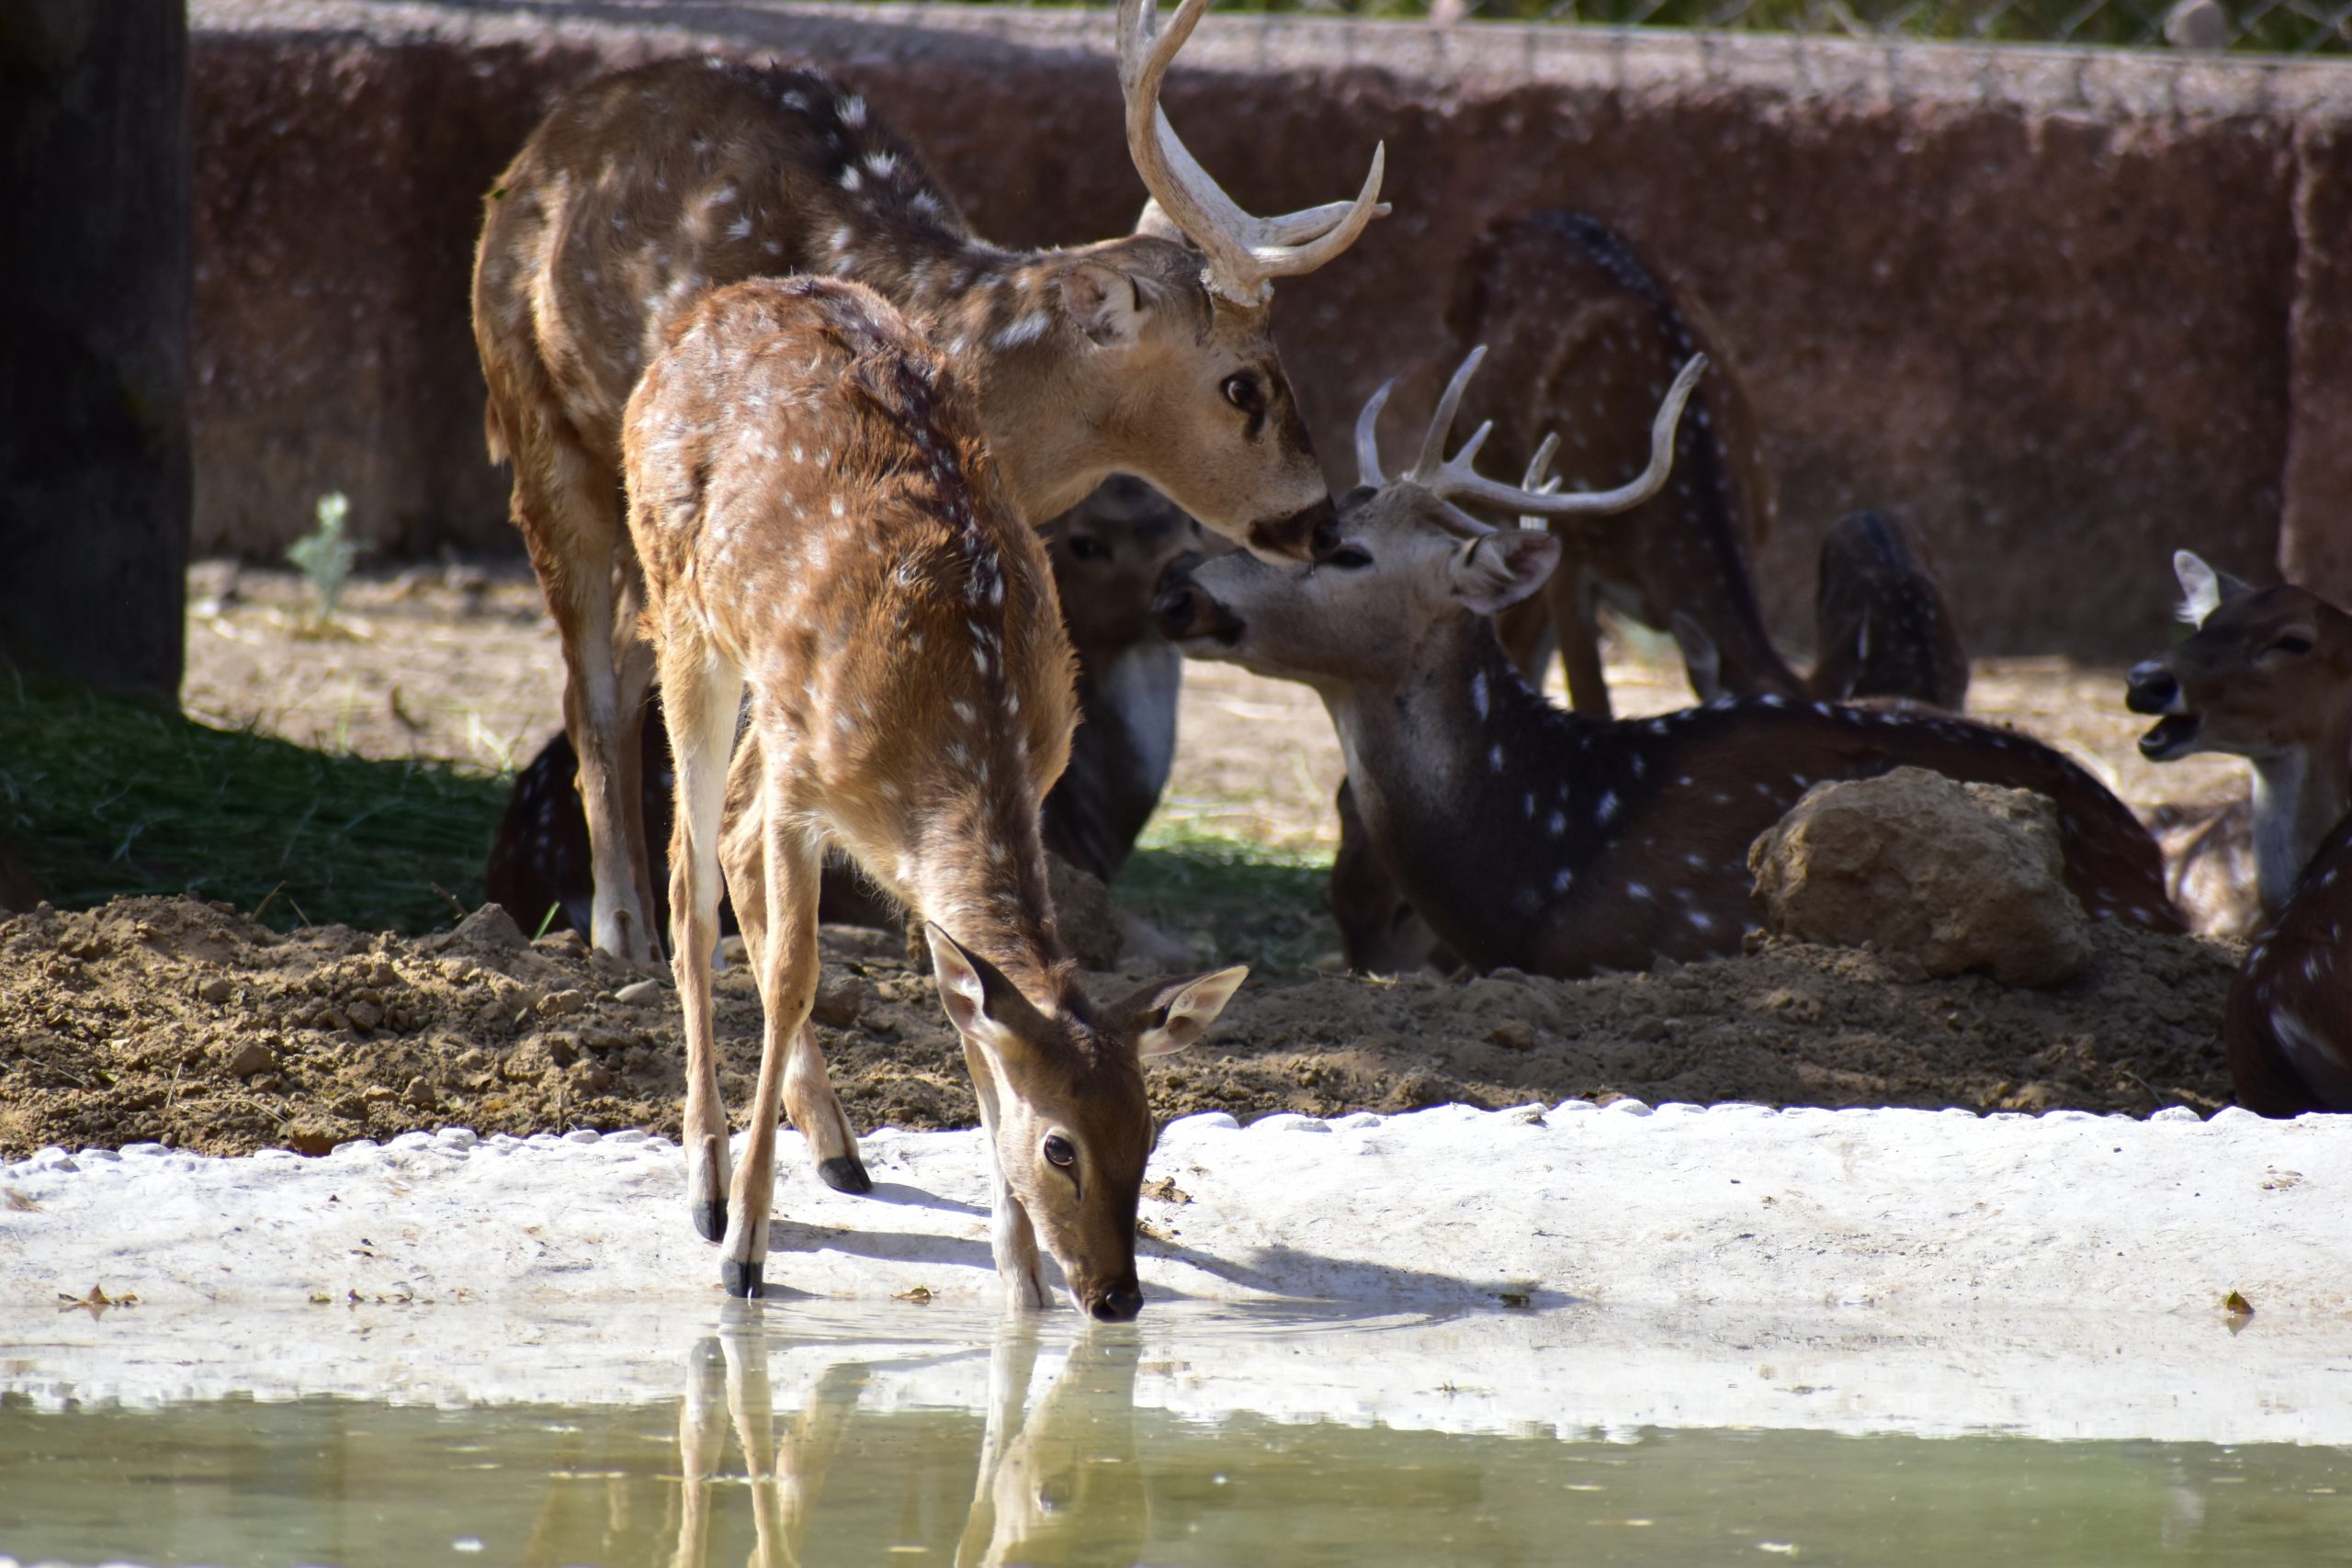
column 797, row 1437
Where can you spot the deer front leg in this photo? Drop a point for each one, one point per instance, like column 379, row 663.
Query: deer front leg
column 808, row 1096
column 787, row 967
column 698, row 704
column 1011, row 1237
column 1576, row 621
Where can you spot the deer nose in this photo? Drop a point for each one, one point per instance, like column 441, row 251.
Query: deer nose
column 2151, row 688
column 1118, row 1304
column 1304, row 535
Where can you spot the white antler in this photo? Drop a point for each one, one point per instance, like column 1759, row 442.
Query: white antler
column 1245, row 254
column 1456, row 478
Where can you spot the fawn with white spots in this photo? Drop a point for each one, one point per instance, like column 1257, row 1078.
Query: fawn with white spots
column 2287, row 1027
column 1108, row 553
column 892, row 618
column 1150, row 354
column 2266, row 675
column 1558, row 844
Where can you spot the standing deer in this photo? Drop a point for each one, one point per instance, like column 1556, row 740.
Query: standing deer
column 1547, row 841
column 2268, row 676
column 2287, row 1025
column 641, row 191
column 1108, row 553
column 822, row 522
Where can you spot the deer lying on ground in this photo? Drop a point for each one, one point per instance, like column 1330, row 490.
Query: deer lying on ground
column 2268, row 676
column 1546, row 841
column 2287, row 1027
column 1150, row 354
column 821, row 523
column 1108, row 553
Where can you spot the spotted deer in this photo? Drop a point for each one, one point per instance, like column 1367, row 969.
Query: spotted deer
column 1108, row 553
column 823, row 525
column 2288, row 1024
column 2266, row 675
column 1546, row 839
column 1152, row 354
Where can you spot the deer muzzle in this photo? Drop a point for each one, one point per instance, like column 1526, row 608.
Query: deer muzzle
column 1307, row 535
column 1187, row 613
column 1120, row 1303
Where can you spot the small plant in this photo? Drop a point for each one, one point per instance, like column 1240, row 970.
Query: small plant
column 325, row 555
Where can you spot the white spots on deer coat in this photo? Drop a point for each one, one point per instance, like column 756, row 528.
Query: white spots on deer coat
column 851, row 180
column 1479, row 692
column 1028, row 328
column 1699, row 921
column 1605, row 812
column 881, row 165
column 1563, row 879
column 852, row 111
column 1557, row 824
column 1495, row 757
column 741, row 228
column 1638, row 890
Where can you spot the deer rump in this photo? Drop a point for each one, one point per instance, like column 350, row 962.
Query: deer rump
column 1665, row 874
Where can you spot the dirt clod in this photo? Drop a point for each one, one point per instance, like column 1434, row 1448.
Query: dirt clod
column 252, row 1058
column 1953, row 876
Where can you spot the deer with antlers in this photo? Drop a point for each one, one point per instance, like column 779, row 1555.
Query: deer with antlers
column 1150, row 354
column 822, row 524
column 2266, row 675
column 1546, row 841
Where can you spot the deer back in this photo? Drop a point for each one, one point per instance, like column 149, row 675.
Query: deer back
column 2288, row 1026
column 1883, row 627
column 1585, row 336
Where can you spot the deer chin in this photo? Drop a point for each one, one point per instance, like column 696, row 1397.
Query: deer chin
column 2171, row 737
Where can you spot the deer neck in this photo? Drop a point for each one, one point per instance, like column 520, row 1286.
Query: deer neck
column 981, row 874
column 2299, row 797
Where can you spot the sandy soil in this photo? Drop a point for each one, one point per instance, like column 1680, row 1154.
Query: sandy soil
column 178, row 1022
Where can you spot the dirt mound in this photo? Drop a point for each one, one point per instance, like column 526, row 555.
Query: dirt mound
column 174, row 1022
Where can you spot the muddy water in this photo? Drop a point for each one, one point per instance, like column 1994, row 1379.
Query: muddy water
column 1025, row 1442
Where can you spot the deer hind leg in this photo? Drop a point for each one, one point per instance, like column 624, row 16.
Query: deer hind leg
column 699, row 698
column 809, row 1097
column 788, row 970
column 567, row 507
column 633, row 675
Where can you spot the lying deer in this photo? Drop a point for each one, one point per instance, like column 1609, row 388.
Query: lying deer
column 1547, row 841
column 2268, row 676
column 2288, row 1026
column 1150, row 354
column 1108, row 553
column 821, row 523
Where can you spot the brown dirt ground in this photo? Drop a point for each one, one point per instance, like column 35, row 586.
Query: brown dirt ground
column 128, row 1024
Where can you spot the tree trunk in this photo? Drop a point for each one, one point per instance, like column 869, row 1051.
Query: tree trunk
column 94, row 284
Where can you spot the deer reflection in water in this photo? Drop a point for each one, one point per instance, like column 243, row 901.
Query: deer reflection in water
column 1058, row 1481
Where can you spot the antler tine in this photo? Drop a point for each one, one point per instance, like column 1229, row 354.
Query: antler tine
column 1431, row 462
column 1368, row 437
column 1538, row 478
column 1245, row 254
column 1458, row 483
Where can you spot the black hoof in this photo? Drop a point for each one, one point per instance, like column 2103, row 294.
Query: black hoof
column 710, row 1219
column 845, row 1173
column 742, row 1280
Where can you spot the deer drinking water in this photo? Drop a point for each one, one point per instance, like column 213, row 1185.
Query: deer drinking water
column 1150, row 354
column 2268, row 676
column 822, row 524
column 1543, row 839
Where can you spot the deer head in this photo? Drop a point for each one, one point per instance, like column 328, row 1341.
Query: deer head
column 1061, row 1095
column 1407, row 559
column 2265, row 674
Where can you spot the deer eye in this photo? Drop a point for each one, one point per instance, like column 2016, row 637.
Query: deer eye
column 1085, row 547
column 1348, row 557
column 1061, row 1151
column 1244, row 393
column 2291, row 643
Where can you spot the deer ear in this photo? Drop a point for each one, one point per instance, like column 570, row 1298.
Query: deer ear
column 1496, row 570
column 2202, row 590
column 1701, row 657
column 1176, row 1015
column 986, row 1008
column 1106, row 304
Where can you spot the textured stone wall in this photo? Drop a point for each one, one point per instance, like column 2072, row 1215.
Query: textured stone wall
column 2066, row 312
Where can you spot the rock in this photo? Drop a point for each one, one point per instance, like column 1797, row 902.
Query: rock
column 490, row 927
column 562, row 944
column 253, row 1057
column 638, row 992
column 837, row 1003
column 420, row 1094
column 365, row 1016
column 215, row 989
column 1951, row 876
column 561, row 1004
column 1083, row 915
column 1512, row 1034
column 2197, row 24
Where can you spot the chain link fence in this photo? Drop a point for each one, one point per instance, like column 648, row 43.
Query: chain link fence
column 2249, row 27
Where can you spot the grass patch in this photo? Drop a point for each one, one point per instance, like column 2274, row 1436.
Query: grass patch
column 101, row 797
column 1260, row 904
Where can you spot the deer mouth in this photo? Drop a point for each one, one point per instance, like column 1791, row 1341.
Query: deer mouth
column 2174, row 734
column 1197, row 623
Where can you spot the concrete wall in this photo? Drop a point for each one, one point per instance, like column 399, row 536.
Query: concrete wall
column 2065, row 312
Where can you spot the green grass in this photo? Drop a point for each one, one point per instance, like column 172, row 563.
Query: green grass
column 101, row 797
column 1261, row 903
